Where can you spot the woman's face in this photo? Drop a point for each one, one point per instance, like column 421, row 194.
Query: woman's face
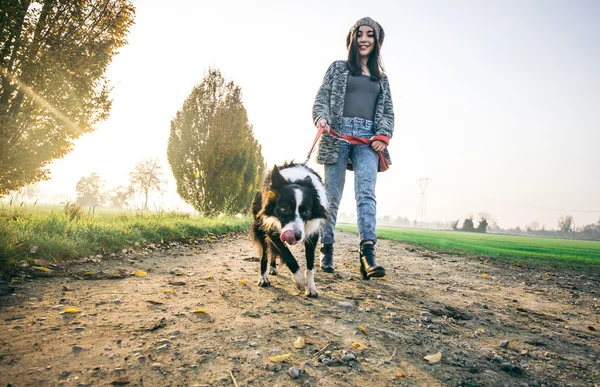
column 365, row 37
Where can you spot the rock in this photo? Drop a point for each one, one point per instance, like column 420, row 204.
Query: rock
column 345, row 304
column 511, row 369
column 348, row 357
column 156, row 366
column 294, row 372
column 504, row 343
column 239, row 341
column 326, row 361
column 293, row 325
column 163, row 348
column 77, row 348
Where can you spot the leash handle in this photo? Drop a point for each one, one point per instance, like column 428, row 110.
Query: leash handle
column 312, row 148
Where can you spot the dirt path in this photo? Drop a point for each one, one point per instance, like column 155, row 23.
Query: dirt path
column 494, row 324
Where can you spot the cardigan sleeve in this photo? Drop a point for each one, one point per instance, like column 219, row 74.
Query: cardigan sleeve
column 386, row 126
column 321, row 107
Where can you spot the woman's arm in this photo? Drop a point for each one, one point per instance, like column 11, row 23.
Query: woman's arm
column 386, row 126
column 323, row 98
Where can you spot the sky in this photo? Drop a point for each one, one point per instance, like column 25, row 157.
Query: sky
column 496, row 102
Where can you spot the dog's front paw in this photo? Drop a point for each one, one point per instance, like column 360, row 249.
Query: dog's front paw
column 273, row 270
column 263, row 281
column 298, row 278
column 311, row 292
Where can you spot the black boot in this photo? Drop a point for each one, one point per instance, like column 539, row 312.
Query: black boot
column 368, row 265
column 327, row 258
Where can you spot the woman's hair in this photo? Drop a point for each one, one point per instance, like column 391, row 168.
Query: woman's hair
column 374, row 62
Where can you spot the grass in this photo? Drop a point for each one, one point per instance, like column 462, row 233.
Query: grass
column 67, row 232
column 533, row 250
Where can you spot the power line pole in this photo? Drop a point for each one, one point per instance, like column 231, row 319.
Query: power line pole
column 423, row 183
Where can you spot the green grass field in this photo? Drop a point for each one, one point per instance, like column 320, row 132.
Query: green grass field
column 556, row 252
column 62, row 233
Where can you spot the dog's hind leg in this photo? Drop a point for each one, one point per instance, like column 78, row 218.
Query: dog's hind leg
column 290, row 261
column 309, row 247
column 273, row 266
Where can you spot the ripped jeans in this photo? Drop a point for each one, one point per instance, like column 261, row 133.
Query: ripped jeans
column 365, row 163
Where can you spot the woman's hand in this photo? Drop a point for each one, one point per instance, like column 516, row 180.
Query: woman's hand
column 322, row 124
column 378, row 145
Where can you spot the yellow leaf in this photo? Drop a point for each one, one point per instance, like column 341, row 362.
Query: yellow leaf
column 485, row 275
column 434, row 358
column 400, row 374
column 363, row 330
column 41, row 268
column 242, row 282
column 72, row 310
column 197, row 175
column 208, row 276
column 201, row 310
column 308, row 341
column 299, row 343
column 140, row 273
column 280, row 358
column 358, row 346
column 168, row 290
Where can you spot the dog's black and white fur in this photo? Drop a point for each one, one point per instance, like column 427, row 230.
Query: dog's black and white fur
column 292, row 200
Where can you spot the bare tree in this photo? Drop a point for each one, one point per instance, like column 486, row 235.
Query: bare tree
column 532, row 227
column 119, row 196
column 565, row 223
column 146, row 177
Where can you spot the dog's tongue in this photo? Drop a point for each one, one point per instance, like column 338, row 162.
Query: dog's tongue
column 288, row 236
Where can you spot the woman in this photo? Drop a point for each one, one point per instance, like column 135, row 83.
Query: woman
column 355, row 102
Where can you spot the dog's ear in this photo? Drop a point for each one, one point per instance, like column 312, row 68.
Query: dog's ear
column 276, row 179
column 307, row 180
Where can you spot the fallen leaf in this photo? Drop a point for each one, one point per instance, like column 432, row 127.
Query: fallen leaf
column 485, row 275
column 400, row 374
column 208, row 276
column 363, row 330
column 201, row 310
column 308, row 342
column 41, row 268
column 168, row 290
column 299, row 343
column 280, row 358
column 434, row 358
column 242, row 282
column 72, row 310
column 358, row 346
column 140, row 273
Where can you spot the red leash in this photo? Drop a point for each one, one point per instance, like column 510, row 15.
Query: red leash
column 383, row 164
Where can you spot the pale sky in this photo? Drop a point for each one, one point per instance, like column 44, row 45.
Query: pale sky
column 495, row 101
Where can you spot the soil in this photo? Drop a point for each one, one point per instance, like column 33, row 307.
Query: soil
column 494, row 323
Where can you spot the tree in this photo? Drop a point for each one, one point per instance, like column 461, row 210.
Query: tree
column 90, row 190
column 146, row 177
column 119, row 196
column 216, row 162
column 532, row 227
column 565, row 223
column 53, row 56
column 468, row 224
column 454, row 224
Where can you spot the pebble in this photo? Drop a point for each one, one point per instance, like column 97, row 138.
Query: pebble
column 326, row 361
column 118, row 302
column 504, row 343
column 293, row 325
column 156, row 366
column 345, row 304
column 79, row 329
column 348, row 357
column 163, row 348
column 77, row 348
column 294, row 372
column 239, row 341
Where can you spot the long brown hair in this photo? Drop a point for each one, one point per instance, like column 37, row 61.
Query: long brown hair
column 374, row 62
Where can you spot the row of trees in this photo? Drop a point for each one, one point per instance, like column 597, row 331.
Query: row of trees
column 53, row 57
column 484, row 222
column 144, row 179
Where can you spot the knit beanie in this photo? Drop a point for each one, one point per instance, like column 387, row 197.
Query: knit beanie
column 366, row 21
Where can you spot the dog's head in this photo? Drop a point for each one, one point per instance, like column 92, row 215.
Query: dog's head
column 292, row 208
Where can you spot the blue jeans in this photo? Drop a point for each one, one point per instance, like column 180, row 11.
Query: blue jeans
column 365, row 163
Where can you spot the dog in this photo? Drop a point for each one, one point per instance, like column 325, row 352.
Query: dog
column 289, row 209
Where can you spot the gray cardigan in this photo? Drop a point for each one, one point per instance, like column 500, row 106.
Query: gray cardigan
column 329, row 104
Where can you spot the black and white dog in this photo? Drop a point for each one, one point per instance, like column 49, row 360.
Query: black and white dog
column 289, row 209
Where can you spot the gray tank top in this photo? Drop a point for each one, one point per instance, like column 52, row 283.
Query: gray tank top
column 361, row 97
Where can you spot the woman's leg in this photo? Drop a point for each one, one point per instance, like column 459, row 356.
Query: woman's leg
column 365, row 163
column 335, row 177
